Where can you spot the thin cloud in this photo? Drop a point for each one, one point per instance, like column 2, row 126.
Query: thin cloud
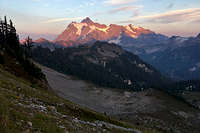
column 185, row 15
column 197, row 21
column 118, row 2
column 62, row 19
column 125, row 8
column 171, row 5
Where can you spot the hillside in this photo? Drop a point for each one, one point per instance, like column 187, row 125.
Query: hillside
column 150, row 108
column 103, row 64
column 27, row 108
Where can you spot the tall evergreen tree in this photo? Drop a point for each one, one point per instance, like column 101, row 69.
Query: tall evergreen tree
column 28, row 45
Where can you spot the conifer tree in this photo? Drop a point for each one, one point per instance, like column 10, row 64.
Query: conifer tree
column 6, row 26
column 28, row 45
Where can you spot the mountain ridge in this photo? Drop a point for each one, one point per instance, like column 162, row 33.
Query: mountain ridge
column 87, row 31
column 103, row 63
column 180, row 60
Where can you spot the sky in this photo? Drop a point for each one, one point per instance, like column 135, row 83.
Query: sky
column 48, row 18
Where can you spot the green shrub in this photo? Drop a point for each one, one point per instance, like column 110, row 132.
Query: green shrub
column 32, row 69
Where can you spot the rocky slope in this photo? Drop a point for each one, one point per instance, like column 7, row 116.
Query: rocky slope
column 27, row 107
column 150, row 108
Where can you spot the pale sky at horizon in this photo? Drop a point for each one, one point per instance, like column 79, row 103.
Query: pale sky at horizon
column 51, row 17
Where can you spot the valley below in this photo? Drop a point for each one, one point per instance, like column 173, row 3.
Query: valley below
column 150, row 108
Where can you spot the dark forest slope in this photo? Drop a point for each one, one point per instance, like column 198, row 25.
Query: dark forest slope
column 102, row 63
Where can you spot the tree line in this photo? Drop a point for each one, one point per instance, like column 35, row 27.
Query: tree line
column 10, row 46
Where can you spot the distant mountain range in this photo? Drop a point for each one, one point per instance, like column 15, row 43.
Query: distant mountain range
column 46, row 44
column 176, row 57
column 180, row 60
column 132, row 38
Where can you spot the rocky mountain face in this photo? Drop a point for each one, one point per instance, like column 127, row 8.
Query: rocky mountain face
column 132, row 38
column 88, row 31
column 102, row 63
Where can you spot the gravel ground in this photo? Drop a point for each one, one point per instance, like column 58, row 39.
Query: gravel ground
column 111, row 101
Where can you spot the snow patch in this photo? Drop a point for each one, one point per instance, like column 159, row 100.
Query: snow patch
column 92, row 28
column 181, row 39
column 192, row 69
column 128, row 28
column 149, row 51
column 131, row 28
column 116, row 41
column 79, row 27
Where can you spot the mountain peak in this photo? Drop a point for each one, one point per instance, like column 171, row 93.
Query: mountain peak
column 87, row 20
column 41, row 40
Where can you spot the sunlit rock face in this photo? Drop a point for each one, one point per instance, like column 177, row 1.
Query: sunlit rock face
column 89, row 31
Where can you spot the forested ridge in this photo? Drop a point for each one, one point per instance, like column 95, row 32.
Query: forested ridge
column 102, row 63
